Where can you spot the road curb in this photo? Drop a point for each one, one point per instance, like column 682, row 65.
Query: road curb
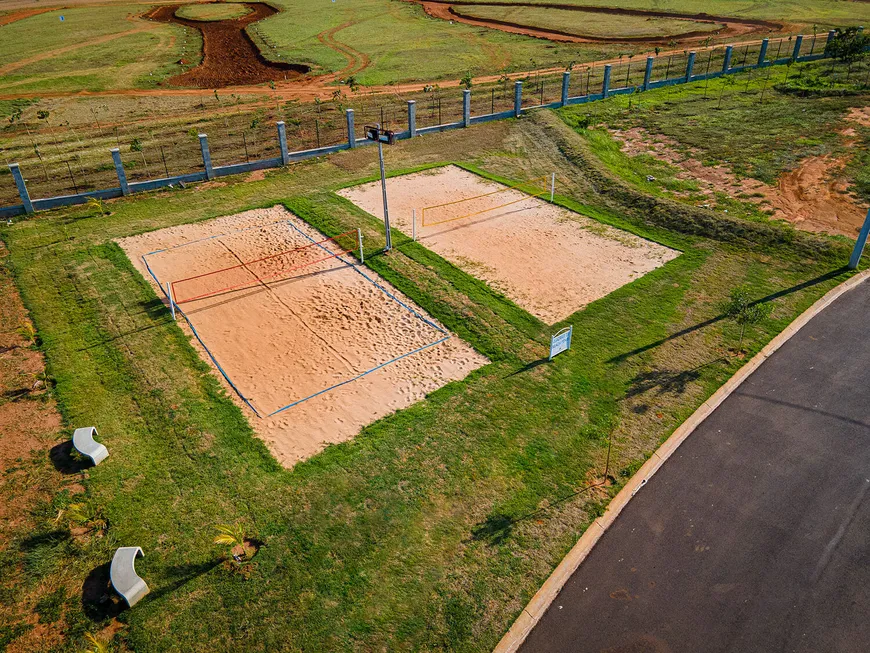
column 536, row 608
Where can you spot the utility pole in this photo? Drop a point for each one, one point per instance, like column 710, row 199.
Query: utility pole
column 381, row 136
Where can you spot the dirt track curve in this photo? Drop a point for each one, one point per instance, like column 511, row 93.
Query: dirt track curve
column 451, row 10
column 21, row 15
column 307, row 88
column 229, row 55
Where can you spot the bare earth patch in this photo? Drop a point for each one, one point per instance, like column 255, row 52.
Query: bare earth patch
column 282, row 332
column 29, row 424
column 812, row 196
column 550, row 261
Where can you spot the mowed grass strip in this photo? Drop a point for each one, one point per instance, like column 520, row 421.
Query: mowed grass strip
column 433, row 527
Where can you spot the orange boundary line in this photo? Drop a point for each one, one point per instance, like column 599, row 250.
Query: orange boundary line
column 468, row 199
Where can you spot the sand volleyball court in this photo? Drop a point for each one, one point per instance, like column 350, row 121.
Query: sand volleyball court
column 549, row 260
column 286, row 315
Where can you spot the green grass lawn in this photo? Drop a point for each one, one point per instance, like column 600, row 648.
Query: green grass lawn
column 138, row 60
column 729, row 121
column 213, row 11
column 821, row 12
column 440, row 50
column 434, row 526
column 587, row 23
column 86, row 68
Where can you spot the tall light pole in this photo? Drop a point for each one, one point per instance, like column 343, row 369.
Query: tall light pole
column 381, row 136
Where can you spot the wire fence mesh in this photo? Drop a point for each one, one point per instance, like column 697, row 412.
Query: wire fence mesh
column 63, row 159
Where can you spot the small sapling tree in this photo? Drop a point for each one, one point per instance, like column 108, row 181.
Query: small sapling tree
column 233, row 536
column 741, row 308
column 848, row 45
column 95, row 645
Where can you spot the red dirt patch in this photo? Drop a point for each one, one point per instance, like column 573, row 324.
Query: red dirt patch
column 29, row 423
column 21, row 15
column 451, row 10
column 812, row 196
column 859, row 115
column 229, row 55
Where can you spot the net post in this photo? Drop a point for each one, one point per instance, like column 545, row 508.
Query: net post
column 552, row 186
column 362, row 258
column 414, row 225
column 171, row 298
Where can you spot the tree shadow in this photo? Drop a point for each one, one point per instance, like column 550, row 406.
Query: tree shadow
column 66, row 461
column 180, row 575
column 663, row 382
column 833, row 274
column 494, row 530
column 40, row 540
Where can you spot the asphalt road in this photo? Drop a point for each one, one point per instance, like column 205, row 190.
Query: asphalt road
column 755, row 535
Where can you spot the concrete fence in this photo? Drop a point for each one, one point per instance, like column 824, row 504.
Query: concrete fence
column 209, row 172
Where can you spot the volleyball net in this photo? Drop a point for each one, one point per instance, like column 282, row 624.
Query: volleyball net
column 287, row 264
column 471, row 207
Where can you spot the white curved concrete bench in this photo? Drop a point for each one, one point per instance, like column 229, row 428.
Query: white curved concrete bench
column 123, row 574
column 83, row 441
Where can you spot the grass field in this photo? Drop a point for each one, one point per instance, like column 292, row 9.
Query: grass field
column 433, row 527
column 321, row 38
column 776, row 131
column 821, row 12
column 93, row 49
column 440, row 51
column 213, row 11
column 587, row 23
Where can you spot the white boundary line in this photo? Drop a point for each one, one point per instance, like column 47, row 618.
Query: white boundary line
column 536, row 608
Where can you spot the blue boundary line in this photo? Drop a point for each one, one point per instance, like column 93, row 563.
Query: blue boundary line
column 347, row 262
column 207, row 350
column 359, row 376
column 388, row 294
column 205, row 238
column 372, row 281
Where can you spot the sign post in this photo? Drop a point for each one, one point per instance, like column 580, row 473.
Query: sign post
column 381, row 136
column 560, row 342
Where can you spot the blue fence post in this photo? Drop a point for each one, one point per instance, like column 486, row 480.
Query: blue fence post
column 831, row 36
column 726, row 65
column 762, row 54
column 282, row 143
column 206, row 156
column 798, row 42
column 859, row 243
column 518, row 99
column 351, row 131
column 647, row 76
column 119, row 170
column 22, row 187
column 412, row 118
column 690, row 65
column 605, row 85
column 566, row 80
column 466, row 107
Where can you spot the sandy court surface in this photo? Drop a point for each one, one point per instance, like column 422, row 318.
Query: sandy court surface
column 550, row 261
column 286, row 326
